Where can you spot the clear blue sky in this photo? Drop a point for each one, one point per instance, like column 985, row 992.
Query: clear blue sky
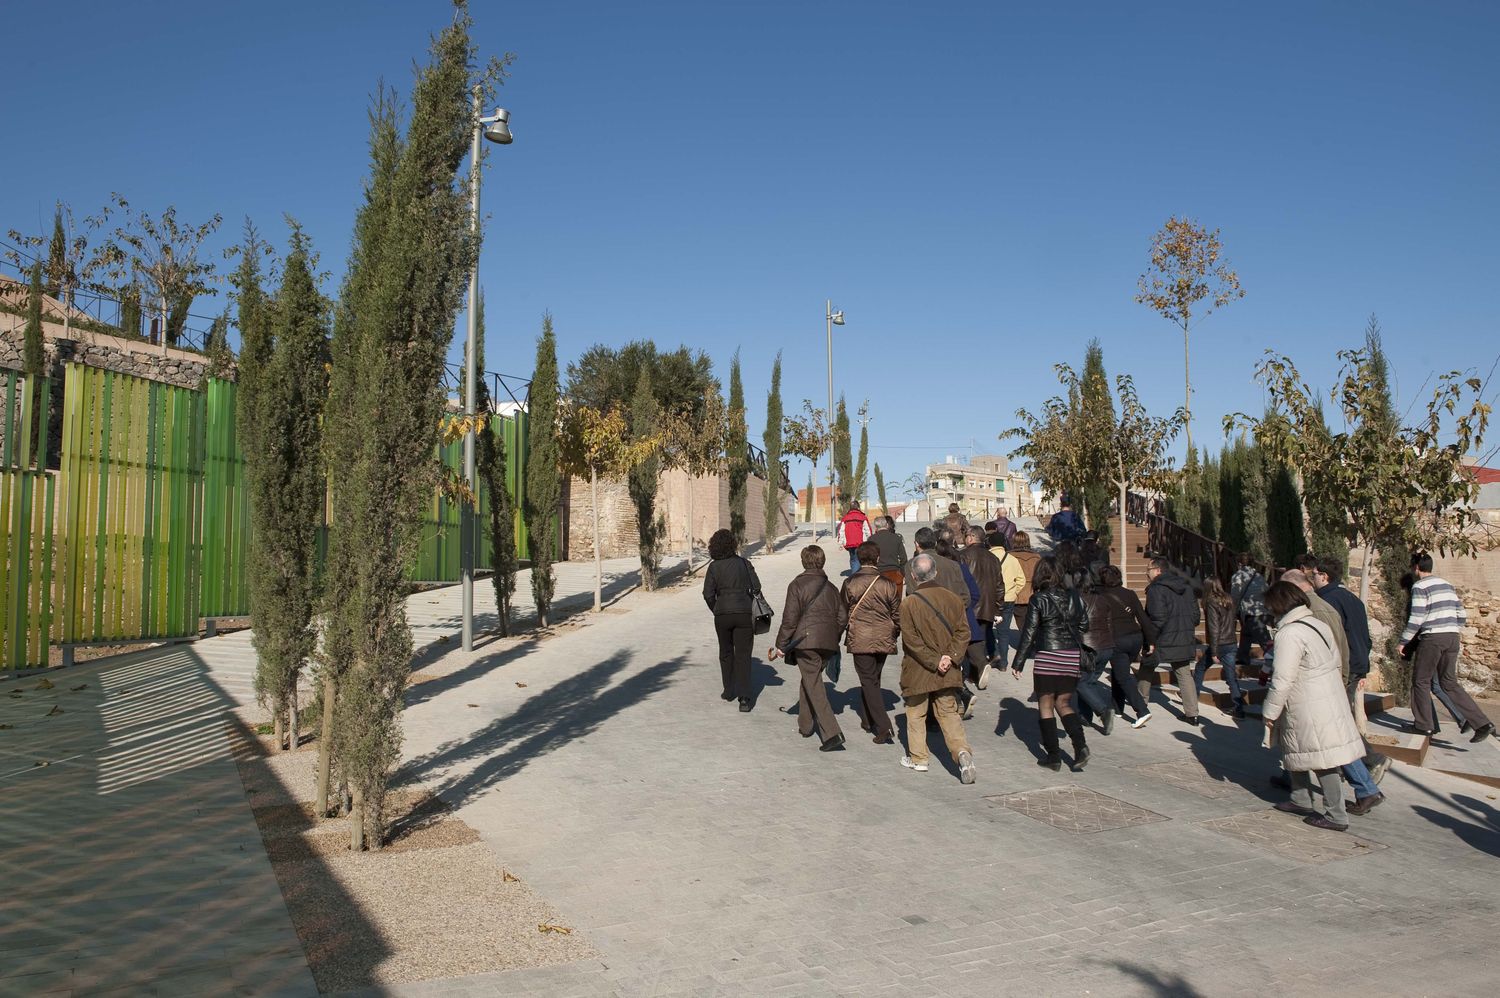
column 974, row 183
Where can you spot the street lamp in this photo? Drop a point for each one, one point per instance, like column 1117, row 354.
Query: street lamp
column 834, row 319
column 496, row 128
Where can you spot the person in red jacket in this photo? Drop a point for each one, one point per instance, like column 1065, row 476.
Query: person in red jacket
column 854, row 530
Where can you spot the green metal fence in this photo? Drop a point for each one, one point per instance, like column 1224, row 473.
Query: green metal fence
column 226, row 507
column 26, row 519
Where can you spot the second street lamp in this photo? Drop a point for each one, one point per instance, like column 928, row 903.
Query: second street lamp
column 496, row 128
column 834, row 319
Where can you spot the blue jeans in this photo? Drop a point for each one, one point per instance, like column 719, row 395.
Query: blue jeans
column 853, row 560
column 1002, row 634
column 1359, row 778
column 1228, row 656
column 1093, row 696
column 1122, row 677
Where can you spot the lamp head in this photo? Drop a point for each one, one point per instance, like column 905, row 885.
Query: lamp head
column 497, row 127
column 838, row 317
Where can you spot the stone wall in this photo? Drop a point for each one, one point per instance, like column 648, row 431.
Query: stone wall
column 182, row 368
column 617, row 522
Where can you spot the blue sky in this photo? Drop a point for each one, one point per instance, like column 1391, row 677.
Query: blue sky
column 974, row 183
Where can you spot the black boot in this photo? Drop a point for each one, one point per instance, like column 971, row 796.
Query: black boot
column 1053, row 759
column 1080, row 747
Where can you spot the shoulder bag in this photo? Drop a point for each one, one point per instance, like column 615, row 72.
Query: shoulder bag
column 760, row 609
column 1085, row 653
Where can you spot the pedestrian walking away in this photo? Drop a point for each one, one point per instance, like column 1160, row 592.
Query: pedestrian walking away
column 1431, row 641
column 892, row 563
column 811, row 623
column 985, row 571
column 1120, row 625
column 1052, row 633
column 934, row 639
column 1065, row 525
column 1173, row 611
column 1220, row 627
column 1306, row 710
column 1013, row 581
column 874, row 624
column 728, row 587
column 854, row 530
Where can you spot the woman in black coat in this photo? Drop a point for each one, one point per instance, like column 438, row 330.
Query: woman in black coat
column 1056, row 620
column 727, row 588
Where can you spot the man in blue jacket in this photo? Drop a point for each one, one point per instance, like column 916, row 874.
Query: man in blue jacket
column 1065, row 524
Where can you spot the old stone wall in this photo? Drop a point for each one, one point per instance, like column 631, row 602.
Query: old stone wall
column 617, row 521
column 111, row 353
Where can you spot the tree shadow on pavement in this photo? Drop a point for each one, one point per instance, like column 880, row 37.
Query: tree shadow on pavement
column 431, row 688
column 1234, row 753
column 544, row 723
column 1154, row 981
column 1483, row 833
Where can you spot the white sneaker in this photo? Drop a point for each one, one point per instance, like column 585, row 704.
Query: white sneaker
column 984, row 677
column 965, row 767
column 1378, row 771
column 1140, row 722
column 920, row 767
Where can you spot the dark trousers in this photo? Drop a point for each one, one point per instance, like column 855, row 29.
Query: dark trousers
column 813, row 707
column 1092, row 695
column 869, row 667
column 989, row 638
column 1121, row 657
column 736, row 631
column 1437, row 656
column 976, row 659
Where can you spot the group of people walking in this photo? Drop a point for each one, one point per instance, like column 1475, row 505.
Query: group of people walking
column 1094, row 648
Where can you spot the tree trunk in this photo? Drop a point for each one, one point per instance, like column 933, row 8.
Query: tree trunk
column 357, row 823
column 690, row 521
column 1364, row 579
column 1124, row 497
column 278, row 733
column 598, row 561
column 1187, row 382
column 293, row 721
column 325, row 746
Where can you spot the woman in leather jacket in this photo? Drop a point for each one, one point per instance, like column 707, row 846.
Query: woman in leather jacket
column 728, row 587
column 1052, row 634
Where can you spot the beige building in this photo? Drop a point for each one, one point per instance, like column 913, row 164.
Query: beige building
column 980, row 487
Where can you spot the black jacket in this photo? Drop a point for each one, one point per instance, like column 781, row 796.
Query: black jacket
column 1356, row 627
column 892, row 550
column 986, row 571
column 1056, row 620
column 1173, row 611
column 814, row 616
column 1117, row 613
column 727, row 585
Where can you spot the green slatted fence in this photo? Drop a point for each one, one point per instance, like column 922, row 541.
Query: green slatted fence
column 226, row 506
column 26, row 524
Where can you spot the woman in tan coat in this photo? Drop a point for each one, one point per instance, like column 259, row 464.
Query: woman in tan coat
column 1307, row 709
column 874, row 608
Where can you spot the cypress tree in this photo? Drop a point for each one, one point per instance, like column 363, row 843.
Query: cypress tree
column 287, row 488
column 1283, row 513
column 408, row 272
column 177, row 316
column 807, row 512
column 1097, row 407
column 130, row 310
column 1327, row 524
column 1232, row 498
column 33, row 353
column 880, row 488
column 843, row 460
column 771, row 440
column 642, row 480
column 1391, row 557
column 737, row 453
column 216, row 348
column 501, row 524
column 57, row 257
column 1255, row 491
column 543, row 478
column 861, row 464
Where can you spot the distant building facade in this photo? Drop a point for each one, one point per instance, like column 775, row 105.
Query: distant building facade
column 980, row 488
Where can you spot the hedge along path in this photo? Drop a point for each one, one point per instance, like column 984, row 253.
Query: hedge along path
column 26, row 506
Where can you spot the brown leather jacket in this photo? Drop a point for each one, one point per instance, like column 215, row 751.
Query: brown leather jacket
column 876, row 624
column 814, row 615
column 1029, row 560
column 925, row 639
column 986, row 572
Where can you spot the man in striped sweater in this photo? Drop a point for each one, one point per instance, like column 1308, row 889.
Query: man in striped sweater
column 1431, row 637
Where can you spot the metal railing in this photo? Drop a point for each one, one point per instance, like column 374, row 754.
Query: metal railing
column 501, row 386
column 1195, row 554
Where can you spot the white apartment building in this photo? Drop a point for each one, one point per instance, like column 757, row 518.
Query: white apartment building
column 980, row 487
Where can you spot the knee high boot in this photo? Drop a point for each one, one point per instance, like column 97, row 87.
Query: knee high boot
column 1053, row 758
column 1074, row 725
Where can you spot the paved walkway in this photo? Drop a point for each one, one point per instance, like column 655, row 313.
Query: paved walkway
column 709, row 852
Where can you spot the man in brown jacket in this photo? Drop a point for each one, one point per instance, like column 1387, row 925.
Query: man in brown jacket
column 811, row 622
column 874, row 605
column 956, row 522
column 935, row 637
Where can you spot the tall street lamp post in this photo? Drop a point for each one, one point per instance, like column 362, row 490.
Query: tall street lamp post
column 496, row 128
column 834, row 319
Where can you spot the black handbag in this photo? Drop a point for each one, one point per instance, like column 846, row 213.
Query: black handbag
column 1086, row 656
column 760, row 609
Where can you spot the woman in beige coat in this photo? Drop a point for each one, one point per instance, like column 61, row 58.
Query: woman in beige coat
column 1308, row 710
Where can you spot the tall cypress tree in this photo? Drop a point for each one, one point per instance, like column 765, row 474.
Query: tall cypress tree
column 1391, row 559
column 33, row 353
column 880, row 488
column 1283, row 512
column 843, row 460
column 642, row 480
column 1255, row 489
column 57, row 257
column 771, row 440
column 1097, row 407
column 130, row 310
column 501, row 525
column 543, row 477
column 737, row 452
column 1327, row 523
column 807, row 510
column 407, row 282
column 861, row 463
column 287, row 488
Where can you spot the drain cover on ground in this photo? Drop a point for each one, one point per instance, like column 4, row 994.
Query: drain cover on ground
column 1077, row 809
column 1286, row 835
column 1187, row 774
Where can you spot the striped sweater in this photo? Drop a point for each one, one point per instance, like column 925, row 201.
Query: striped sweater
column 1435, row 609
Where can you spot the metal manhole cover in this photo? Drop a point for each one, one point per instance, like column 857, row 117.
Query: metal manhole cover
column 1286, row 835
column 1077, row 809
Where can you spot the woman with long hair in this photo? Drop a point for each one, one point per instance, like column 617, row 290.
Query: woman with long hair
column 1119, row 629
column 1219, row 625
column 728, row 586
column 1056, row 620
